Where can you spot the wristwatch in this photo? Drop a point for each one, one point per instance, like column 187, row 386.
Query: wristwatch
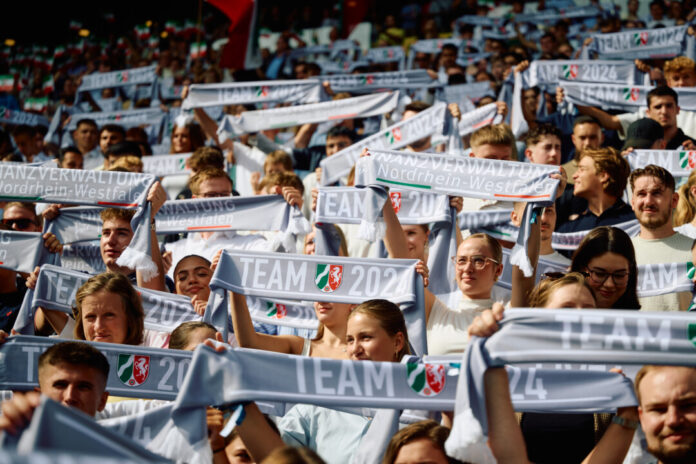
column 623, row 422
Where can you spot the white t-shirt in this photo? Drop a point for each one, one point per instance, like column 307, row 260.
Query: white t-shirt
column 447, row 327
column 194, row 244
column 673, row 249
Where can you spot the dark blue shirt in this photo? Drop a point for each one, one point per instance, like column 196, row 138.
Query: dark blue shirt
column 618, row 212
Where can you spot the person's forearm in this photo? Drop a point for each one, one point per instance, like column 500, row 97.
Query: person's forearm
column 504, row 434
column 44, row 318
column 258, row 437
column 157, row 282
column 241, row 322
column 304, row 135
column 605, row 119
column 521, row 285
column 615, row 442
column 394, row 238
column 209, row 126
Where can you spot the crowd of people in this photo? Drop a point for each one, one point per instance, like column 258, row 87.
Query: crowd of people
column 622, row 218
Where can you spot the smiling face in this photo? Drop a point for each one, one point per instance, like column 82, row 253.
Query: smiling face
column 104, row 317
column 652, row 202
column 607, row 292
column 367, row 340
column 588, row 181
column 192, row 277
column 76, row 386
column 668, row 413
column 475, row 283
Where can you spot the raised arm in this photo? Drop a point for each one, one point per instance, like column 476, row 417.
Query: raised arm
column 521, row 285
column 504, row 434
column 397, row 247
column 157, row 197
column 247, row 337
column 258, row 436
column 616, row 441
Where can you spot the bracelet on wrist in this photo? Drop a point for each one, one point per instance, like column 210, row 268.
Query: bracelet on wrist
column 626, row 423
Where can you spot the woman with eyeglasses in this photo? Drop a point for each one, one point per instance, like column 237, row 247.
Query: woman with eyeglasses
column 548, row 436
column 606, row 256
column 477, row 264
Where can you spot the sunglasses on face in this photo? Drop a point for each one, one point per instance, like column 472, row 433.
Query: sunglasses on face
column 18, row 224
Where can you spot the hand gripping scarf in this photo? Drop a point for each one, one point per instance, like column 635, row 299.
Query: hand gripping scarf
column 466, row 177
column 399, row 135
column 545, row 335
column 548, row 72
column 493, row 224
column 262, row 212
column 640, row 44
column 55, row 427
column 242, row 93
column 679, row 163
column 478, row 118
column 365, row 83
column 97, row 188
column 56, row 288
column 135, row 371
column 289, row 116
column 239, row 375
column 345, row 205
column 318, row 278
column 21, row 251
column 619, row 96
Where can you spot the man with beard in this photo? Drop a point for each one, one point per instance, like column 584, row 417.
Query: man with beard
column 667, row 410
column 653, row 200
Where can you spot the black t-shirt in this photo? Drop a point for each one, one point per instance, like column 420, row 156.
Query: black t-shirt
column 676, row 141
column 9, row 306
column 548, row 436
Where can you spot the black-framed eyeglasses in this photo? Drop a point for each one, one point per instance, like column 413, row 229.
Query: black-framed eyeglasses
column 599, row 276
column 478, row 261
column 18, row 224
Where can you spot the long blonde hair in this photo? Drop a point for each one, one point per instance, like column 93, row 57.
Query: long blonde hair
column 686, row 207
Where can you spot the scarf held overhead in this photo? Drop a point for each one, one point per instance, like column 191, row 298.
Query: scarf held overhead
column 96, row 188
column 399, row 135
column 243, row 93
column 56, row 288
column 348, row 108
